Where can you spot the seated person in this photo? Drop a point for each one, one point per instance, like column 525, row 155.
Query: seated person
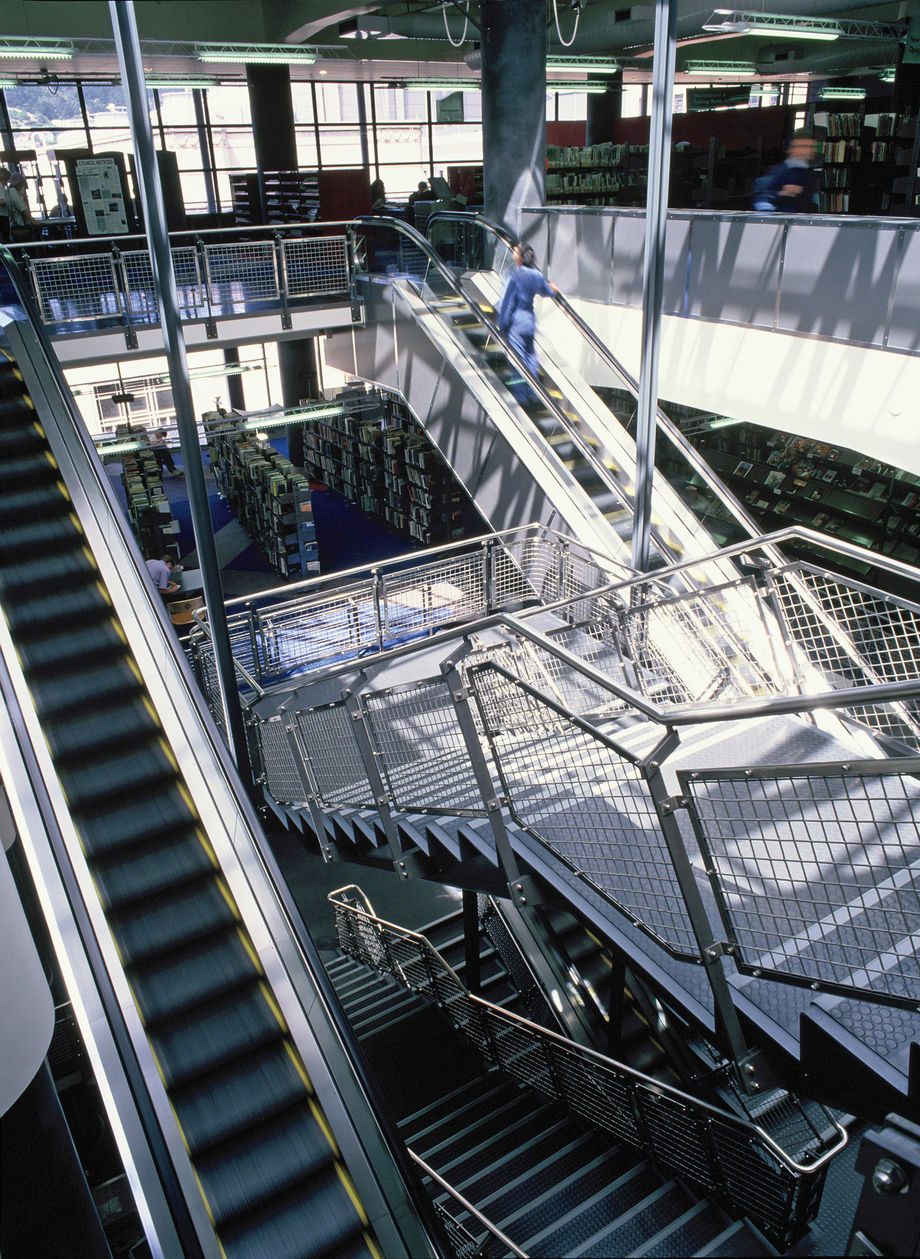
column 160, row 569
column 422, row 193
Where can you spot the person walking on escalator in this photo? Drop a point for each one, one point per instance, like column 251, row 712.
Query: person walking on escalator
column 516, row 318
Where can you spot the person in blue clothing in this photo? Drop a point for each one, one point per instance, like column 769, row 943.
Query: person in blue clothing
column 791, row 187
column 516, row 318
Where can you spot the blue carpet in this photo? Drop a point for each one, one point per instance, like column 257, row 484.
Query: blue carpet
column 346, row 538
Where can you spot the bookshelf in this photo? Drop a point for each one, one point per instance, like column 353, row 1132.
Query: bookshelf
column 270, row 497
column 785, row 479
column 149, row 512
column 600, row 174
column 869, row 162
column 379, row 457
column 290, row 196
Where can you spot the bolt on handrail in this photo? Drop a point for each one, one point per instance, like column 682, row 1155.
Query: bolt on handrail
column 468, row 1206
column 707, row 1109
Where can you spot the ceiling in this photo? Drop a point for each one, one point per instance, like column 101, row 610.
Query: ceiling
column 402, row 39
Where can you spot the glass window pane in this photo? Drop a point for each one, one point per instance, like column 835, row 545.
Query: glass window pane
column 229, row 105
column 306, row 148
column 458, row 144
column 401, row 180
column 234, row 148
column 406, row 145
column 570, row 106
column 395, row 104
column 337, row 102
column 177, row 106
column 340, row 146
column 302, row 98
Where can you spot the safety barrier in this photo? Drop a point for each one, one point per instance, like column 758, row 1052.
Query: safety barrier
column 776, row 1183
column 220, row 275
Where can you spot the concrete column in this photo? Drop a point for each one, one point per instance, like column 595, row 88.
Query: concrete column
column 299, row 379
column 272, row 112
column 605, row 111
column 513, row 108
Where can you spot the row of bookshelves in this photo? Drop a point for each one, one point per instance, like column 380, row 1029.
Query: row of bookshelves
column 268, row 494
column 149, row 510
column 377, row 455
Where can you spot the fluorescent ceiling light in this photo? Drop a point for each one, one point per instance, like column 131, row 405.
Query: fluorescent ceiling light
column 586, row 85
column 45, row 49
column 161, row 81
column 785, row 26
column 714, row 69
column 276, row 419
column 765, row 91
column 116, row 448
column 591, row 65
column 447, row 85
column 9, row 83
column 843, row 93
column 887, row 76
column 255, row 54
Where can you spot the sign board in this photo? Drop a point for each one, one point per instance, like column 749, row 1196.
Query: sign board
column 450, row 108
column 717, row 97
column 101, row 197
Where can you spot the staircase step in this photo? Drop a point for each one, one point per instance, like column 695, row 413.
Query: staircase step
column 736, row 1240
column 685, row 1234
column 464, row 1110
column 632, row 1226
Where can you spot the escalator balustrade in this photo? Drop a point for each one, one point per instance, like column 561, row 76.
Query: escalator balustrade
column 269, row 1170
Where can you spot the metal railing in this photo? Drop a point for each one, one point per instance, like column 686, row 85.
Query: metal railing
column 102, row 284
column 772, row 1177
column 520, row 729
column 325, row 621
column 464, row 1243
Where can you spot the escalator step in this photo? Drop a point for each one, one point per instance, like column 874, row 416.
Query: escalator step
column 57, row 570
column 120, row 824
column 315, row 1222
column 34, row 469
column 73, row 649
column 170, row 923
column 19, row 506
column 146, row 872
column 121, row 774
column 164, row 989
column 239, row 1175
column 91, row 686
column 214, row 1036
column 249, row 1090
column 84, row 605
column 57, row 531
column 118, row 725
column 20, row 432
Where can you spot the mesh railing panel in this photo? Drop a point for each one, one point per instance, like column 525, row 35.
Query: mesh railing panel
column 577, row 693
column 241, row 272
column 324, row 630
column 142, row 290
column 81, row 287
column 700, row 645
column 718, row 1152
column 430, row 594
column 316, row 265
column 282, row 779
column 421, row 751
column 205, row 667
column 817, row 871
column 327, row 739
column 856, row 637
column 591, row 806
column 462, row 1242
column 524, row 570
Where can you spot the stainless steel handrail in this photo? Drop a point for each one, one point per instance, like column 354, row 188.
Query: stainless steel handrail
column 659, row 1086
column 468, row 1206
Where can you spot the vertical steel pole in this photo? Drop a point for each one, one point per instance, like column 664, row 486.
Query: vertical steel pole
column 656, row 214
column 124, row 28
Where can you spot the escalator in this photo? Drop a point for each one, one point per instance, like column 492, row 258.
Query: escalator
column 238, row 1093
column 543, row 447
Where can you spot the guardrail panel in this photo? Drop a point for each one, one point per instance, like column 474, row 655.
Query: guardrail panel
column 322, row 630
column 627, row 263
column 420, row 748
column 326, row 737
column 589, row 805
column 316, row 265
column 241, row 273
column 72, row 289
column 734, row 270
column 282, row 779
column 904, row 332
column 421, row 597
column 837, row 280
column 817, row 871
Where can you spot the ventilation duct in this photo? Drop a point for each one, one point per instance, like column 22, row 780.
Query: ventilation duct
column 833, row 61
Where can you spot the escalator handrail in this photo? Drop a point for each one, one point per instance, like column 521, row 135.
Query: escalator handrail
column 665, row 423
column 596, row 465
